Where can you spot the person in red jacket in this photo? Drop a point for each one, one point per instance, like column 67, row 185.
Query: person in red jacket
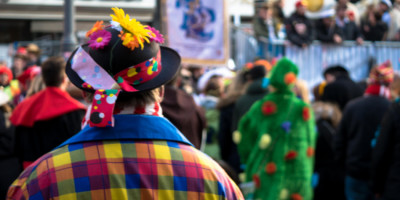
column 48, row 118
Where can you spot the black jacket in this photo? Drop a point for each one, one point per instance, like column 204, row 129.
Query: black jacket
column 9, row 165
column 325, row 34
column 331, row 177
column 361, row 120
column 386, row 156
column 350, row 31
column 374, row 32
column 254, row 92
column 44, row 136
column 292, row 34
column 341, row 91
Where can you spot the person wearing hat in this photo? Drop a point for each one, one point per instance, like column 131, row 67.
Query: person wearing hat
column 126, row 149
column 327, row 31
column 384, row 8
column 33, row 54
column 276, row 140
column 299, row 28
column 263, row 26
column 354, row 140
column 7, row 84
column 254, row 74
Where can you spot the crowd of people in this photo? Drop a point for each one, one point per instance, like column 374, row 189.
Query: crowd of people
column 129, row 122
column 344, row 22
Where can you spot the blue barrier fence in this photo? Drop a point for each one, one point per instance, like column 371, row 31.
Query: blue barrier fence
column 314, row 59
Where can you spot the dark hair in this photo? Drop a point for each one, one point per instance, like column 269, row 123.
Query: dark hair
column 255, row 73
column 336, row 70
column 53, row 71
column 212, row 87
column 341, row 7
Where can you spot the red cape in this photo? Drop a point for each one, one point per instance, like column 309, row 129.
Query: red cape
column 47, row 104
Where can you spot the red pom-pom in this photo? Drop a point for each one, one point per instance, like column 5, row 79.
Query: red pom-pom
column 290, row 78
column 296, row 197
column 269, row 108
column 270, row 168
column 256, row 180
column 291, row 155
column 310, row 151
column 306, row 113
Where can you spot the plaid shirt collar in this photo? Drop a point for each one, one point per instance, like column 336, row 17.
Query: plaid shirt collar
column 137, row 127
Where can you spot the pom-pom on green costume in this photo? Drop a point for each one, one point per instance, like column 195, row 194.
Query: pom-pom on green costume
column 276, row 140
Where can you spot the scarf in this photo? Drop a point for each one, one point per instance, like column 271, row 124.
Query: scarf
column 378, row 90
column 150, row 109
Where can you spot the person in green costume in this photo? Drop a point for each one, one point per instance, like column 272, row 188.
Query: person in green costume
column 276, row 140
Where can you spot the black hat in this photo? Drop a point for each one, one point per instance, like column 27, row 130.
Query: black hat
column 120, row 59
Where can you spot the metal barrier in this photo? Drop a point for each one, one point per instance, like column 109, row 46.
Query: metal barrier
column 314, row 59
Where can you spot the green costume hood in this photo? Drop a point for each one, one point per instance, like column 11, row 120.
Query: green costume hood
column 283, row 75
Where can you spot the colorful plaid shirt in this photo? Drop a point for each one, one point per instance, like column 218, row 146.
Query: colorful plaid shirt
column 142, row 157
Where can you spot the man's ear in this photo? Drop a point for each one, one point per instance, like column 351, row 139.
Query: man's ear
column 85, row 97
column 161, row 92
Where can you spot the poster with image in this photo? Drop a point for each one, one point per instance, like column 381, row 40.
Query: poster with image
column 197, row 30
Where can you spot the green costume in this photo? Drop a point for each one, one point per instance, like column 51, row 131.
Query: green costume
column 276, row 140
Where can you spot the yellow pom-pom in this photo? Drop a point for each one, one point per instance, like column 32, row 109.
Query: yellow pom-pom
column 265, row 141
column 284, row 194
column 237, row 137
column 242, row 177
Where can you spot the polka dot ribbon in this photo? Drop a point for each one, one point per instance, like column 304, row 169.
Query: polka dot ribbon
column 107, row 87
column 103, row 108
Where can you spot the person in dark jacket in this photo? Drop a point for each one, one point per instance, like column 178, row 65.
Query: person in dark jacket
column 9, row 165
column 259, row 21
column 327, row 31
column 330, row 175
column 48, row 118
column 299, row 29
column 226, row 106
column 360, row 122
column 349, row 29
column 340, row 89
column 373, row 28
column 385, row 156
column 180, row 108
column 255, row 91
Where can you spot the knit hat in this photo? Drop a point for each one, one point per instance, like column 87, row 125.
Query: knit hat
column 5, row 70
column 263, row 63
column 33, row 48
column 382, row 75
column 120, row 59
column 283, row 75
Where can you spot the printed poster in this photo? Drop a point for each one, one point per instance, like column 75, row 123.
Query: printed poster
column 197, row 30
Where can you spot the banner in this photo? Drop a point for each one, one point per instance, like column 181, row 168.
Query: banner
column 197, row 30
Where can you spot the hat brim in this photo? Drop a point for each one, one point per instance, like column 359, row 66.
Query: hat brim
column 170, row 62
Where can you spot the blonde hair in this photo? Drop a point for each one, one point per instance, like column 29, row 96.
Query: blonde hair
column 36, row 85
column 327, row 111
column 301, row 90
